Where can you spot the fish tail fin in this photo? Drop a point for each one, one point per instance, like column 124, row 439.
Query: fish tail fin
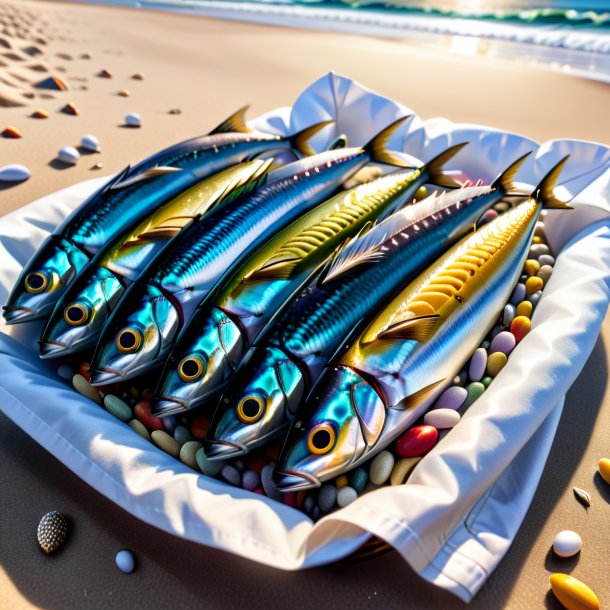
column 300, row 140
column 504, row 181
column 377, row 147
column 236, row 122
column 544, row 191
column 435, row 171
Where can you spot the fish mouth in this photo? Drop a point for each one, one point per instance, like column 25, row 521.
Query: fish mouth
column 222, row 450
column 105, row 376
column 51, row 349
column 16, row 315
column 290, row 480
column 167, row 406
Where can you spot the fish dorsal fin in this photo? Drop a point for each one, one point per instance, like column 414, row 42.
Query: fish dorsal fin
column 416, row 329
column 435, row 167
column 300, row 140
column 377, row 147
column 504, row 181
column 414, row 400
column 544, row 191
column 274, row 270
column 236, row 122
column 147, row 174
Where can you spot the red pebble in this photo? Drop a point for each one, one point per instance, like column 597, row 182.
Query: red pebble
column 147, row 394
column 273, row 451
column 257, row 463
column 142, row 412
column 199, row 426
column 301, row 495
column 259, row 491
column 416, row 441
column 83, row 369
column 290, row 498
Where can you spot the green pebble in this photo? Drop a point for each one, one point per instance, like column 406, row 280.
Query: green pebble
column 486, row 381
column 182, row 434
column 137, row 426
column 475, row 390
column 188, row 453
column 208, row 467
column 82, row 386
column 358, row 479
column 117, row 407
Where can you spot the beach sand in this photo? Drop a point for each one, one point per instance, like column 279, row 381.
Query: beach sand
column 207, row 69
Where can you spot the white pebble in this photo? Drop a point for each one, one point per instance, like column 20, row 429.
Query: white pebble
column 346, row 495
column 442, row 418
column 125, row 561
column 68, row 154
column 546, row 259
column 381, row 468
column 90, row 143
column 14, row 173
column 133, row 119
column 567, row 543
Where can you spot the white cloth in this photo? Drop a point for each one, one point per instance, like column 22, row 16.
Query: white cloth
column 455, row 519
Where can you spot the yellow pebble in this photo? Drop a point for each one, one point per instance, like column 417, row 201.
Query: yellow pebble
column 525, row 308
column 341, row 481
column 137, row 426
column 402, row 470
column 537, row 239
column 165, row 442
column 604, row 469
column 533, row 284
column 495, row 363
column 422, row 193
column 531, row 267
column 573, row 593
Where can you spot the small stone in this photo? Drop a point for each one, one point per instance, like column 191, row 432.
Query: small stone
column 97, row 166
column 143, row 412
column 452, row 398
column 604, row 469
column 381, row 467
column 69, row 155
column 501, row 206
column 474, row 390
column 567, row 543
column 250, row 480
column 520, row 326
column 442, row 418
column 518, row 294
column 533, row 284
column 485, row 345
column 525, row 308
column 495, row 363
column 137, row 76
column 546, row 260
column 539, row 228
column 165, row 442
column 82, row 386
column 117, row 407
column 477, row 364
column 503, row 342
column 582, row 496
column 182, row 434
column 545, row 273
column 11, row 132
column 125, row 561
column 486, row 381
column 123, row 93
column 573, row 593
column 417, row 441
column 65, row 371
column 208, row 467
column 39, row 114
column 85, row 56
column 346, row 495
column 188, row 453
column 137, row 426
column 358, row 479
column 531, row 267
column 341, row 481
column 537, row 250
column 199, row 426
column 170, row 423
column 309, row 503
column 104, row 73
column 52, row 530
column 90, row 143
column 53, row 82
column 231, row 475
column 403, row 469
column 269, row 485
column 175, row 111
column 327, row 497
column 133, row 119
column 70, row 109
column 508, row 314
column 534, row 298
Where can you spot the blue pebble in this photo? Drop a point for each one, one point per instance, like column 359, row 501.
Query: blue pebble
column 327, row 497
column 231, row 475
column 250, row 480
column 534, row 298
column 239, row 464
column 182, row 435
column 518, row 294
column 170, row 423
column 358, row 479
column 308, row 503
column 316, row 513
column 125, row 561
column 269, row 486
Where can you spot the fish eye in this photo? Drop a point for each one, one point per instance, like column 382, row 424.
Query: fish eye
column 36, row 282
column 191, row 368
column 76, row 314
column 250, row 408
column 321, row 439
column 128, row 340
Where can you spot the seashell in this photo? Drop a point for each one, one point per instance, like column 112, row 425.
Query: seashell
column 52, row 530
column 52, row 83
column 582, row 496
column 137, row 76
column 14, row 173
column 91, row 143
column 133, row 119
column 11, row 132
column 39, row 114
column 604, row 469
column 70, row 109
column 68, row 154
column 104, row 73
column 123, row 93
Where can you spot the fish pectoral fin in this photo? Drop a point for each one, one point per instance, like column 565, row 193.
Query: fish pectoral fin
column 414, row 329
column 236, row 122
column 149, row 174
column 274, row 270
column 414, row 400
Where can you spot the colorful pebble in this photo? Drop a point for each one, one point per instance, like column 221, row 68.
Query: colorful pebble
column 208, row 467
column 533, row 284
column 508, row 314
column 402, row 470
column 327, row 498
column 346, row 495
column 573, row 593
column 503, row 342
column 520, row 326
column 534, row 298
column 486, row 380
column 537, row 250
column 341, row 481
column 417, row 441
column 604, row 469
column 477, row 364
column 82, row 386
column 182, row 434
column 199, row 426
column 117, row 407
column 358, row 479
column 51, row 532
column 531, row 267
column 142, row 411
column 518, row 294
column 137, row 426
column 567, row 543
column 65, row 371
column 442, row 418
column 381, row 467
column 474, row 390
column 546, row 260
column 125, row 561
column 452, row 398
column 231, row 475
column 188, row 453
column 165, row 442
column 495, row 363
column 250, row 480
column 525, row 308
column 269, row 485
column 545, row 273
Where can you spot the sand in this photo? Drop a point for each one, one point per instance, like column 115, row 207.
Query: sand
column 206, row 69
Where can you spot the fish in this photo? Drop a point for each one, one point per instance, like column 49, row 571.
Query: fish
column 277, row 374
column 144, row 325
column 82, row 310
column 213, row 343
column 411, row 351
column 128, row 198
